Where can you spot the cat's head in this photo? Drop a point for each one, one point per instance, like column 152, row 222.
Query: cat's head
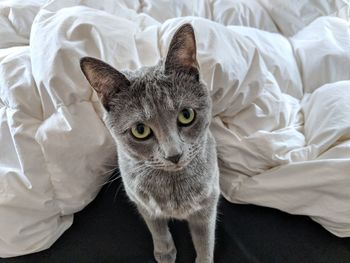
column 158, row 115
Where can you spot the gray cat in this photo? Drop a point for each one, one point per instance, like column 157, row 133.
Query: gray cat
column 159, row 117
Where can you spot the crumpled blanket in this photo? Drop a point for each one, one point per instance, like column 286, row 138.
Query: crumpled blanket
column 279, row 76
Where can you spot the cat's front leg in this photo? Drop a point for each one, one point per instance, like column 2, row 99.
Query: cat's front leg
column 164, row 248
column 202, row 227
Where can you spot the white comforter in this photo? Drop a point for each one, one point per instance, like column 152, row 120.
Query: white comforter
column 278, row 72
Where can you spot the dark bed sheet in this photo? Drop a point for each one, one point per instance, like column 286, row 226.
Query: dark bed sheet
column 110, row 230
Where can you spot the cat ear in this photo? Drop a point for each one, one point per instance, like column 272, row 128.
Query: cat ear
column 105, row 79
column 182, row 52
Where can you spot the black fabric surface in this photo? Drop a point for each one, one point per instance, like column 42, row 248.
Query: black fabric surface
column 110, row 230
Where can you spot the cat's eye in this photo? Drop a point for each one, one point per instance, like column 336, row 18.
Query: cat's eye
column 186, row 117
column 141, row 131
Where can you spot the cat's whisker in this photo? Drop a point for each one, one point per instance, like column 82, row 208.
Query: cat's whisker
column 110, row 171
column 114, row 163
column 110, row 181
column 139, row 165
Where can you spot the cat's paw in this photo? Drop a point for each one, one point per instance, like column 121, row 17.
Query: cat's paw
column 168, row 256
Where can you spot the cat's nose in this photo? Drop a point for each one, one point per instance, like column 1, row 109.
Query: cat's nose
column 174, row 158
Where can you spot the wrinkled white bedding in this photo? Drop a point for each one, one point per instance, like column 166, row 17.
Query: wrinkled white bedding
column 278, row 72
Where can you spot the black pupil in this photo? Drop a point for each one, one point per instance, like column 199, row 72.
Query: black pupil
column 186, row 113
column 140, row 128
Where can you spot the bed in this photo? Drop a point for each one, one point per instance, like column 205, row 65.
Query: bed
column 277, row 71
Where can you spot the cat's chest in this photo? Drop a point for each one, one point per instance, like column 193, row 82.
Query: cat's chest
column 176, row 199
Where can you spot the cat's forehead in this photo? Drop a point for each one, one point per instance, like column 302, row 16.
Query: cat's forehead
column 151, row 82
column 151, row 89
column 153, row 92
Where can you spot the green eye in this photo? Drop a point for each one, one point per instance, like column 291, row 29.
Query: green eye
column 186, row 117
column 141, row 131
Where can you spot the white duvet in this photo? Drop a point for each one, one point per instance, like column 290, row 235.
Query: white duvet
column 278, row 72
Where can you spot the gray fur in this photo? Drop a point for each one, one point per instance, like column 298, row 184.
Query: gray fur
column 162, row 189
